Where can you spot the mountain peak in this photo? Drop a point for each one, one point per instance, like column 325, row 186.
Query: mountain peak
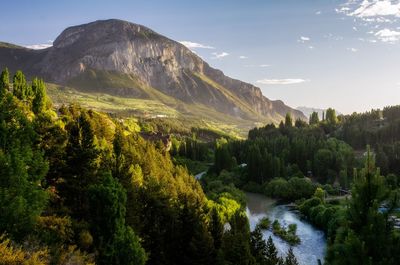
column 111, row 30
column 122, row 58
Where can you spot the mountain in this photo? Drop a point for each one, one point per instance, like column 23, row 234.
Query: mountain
column 128, row 60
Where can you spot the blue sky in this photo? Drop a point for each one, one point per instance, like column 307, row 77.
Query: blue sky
column 318, row 53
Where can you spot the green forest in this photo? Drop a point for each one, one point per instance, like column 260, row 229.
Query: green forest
column 84, row 187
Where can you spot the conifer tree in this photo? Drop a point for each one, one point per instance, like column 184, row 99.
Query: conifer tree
column 117, row 243
column 81, row 163
column 20, row 87
column 291, row 258
column 368, row 237
column 258, row 246
column 272, row 253
column 216, row 228
column 22, row 169
column 4, row 82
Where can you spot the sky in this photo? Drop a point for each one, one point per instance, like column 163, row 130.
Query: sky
column 343, row 54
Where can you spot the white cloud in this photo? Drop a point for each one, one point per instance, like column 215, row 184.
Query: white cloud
column 374, row 14
column 378, row 11
column 289, row 81
column 219, row 55
column 376, row 8
column 318, row 13
column 40, row 46
column 387, row 35
column 311, row 47
column 195, row 45
column 243, row 57
column 303, row 39
column 352, row 49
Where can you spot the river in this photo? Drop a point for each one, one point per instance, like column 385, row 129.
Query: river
column 313, row 241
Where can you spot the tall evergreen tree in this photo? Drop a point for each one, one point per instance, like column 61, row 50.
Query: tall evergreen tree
column 117, row 243
column 314, row 119
column 291, row 258
column 368, row 237
column 272, row 253
column 39, row 100
column 20, row 87
column 258, row 246
column 4, row 81
column 22, row 169
column 81, row 164
column 216, row 229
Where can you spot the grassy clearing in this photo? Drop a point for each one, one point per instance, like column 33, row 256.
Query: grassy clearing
column 196, row 115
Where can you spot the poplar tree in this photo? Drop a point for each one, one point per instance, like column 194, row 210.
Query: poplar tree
column 4, row 81
column 20, row 86
column 314, row 119
column 39, row 96
column 288, row 120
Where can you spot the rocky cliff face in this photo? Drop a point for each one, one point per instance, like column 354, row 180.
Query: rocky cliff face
column 150, row 60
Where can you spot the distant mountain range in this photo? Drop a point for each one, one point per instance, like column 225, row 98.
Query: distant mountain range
column 128, row 60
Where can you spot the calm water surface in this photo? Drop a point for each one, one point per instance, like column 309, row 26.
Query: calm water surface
column 313, row 241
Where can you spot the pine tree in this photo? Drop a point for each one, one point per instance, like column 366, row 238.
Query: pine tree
column 117, row 243
column 258, row 246
column 81, row 164
column 291, row 258
column 368, row 236
column 216, row 228
column 272, row 253
column 22, row 169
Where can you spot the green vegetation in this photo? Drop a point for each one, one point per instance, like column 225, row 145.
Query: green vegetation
column 81, row 187
column 266, row 253
column 154, row 106
column 264, row 223
column 289, row 234
column 315, row 164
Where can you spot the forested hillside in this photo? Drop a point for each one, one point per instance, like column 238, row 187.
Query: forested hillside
column 341, row 172
column 78, row 187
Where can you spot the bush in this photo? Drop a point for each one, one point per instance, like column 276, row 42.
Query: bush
column 264, row 223
column 294, row 189
column 288, row 235
column 85, row 239
column 253, row 187
column 53, row 229
column 12, row 255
